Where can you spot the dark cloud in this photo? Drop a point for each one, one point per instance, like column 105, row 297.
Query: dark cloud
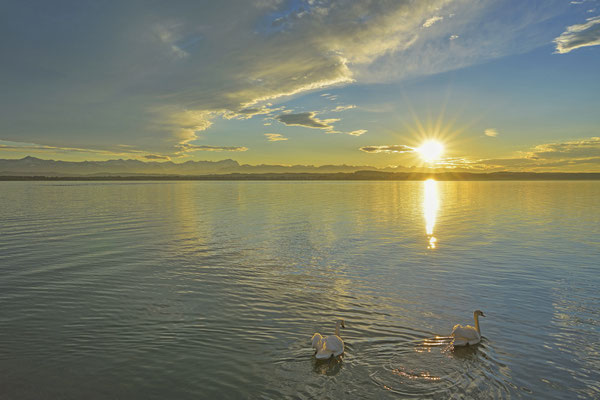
column 394, row 148
column 306, row 119
column 156, row 157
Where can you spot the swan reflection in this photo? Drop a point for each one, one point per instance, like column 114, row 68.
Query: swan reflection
column 431, row 203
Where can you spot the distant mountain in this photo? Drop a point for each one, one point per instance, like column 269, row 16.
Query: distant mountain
column 32, row 166
column 35, row 168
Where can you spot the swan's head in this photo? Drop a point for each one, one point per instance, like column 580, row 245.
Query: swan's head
column 341, row 322
column 479, row 313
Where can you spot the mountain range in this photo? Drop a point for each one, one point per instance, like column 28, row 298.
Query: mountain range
column 32, row 166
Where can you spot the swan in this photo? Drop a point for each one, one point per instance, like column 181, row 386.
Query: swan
column 329, row 346
column 467, row 335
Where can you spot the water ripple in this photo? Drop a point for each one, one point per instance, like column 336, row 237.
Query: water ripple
column 213, row 289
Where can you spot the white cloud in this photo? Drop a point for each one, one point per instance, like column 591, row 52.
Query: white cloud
column 484, row 34
column 193, row 147
column 580, row 35
column 357, row 132
column 343, row 108
column 35, row 148
column 246, row 113
column 432, row 20
column 490, row 132
column 275, row 137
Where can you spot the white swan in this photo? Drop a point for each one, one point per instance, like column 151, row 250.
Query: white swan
column 467, row 335
column 329, row 346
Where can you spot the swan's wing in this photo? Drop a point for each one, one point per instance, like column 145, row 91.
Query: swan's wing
column 457, row 326
column 465, row 332
column 334, row 344
column 323, row 354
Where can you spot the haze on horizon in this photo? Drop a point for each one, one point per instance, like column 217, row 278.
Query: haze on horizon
column 502, row 85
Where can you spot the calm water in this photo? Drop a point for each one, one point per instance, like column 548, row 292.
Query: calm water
column 203, row 289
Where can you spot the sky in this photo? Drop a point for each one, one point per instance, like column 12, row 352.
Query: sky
column 502, row 84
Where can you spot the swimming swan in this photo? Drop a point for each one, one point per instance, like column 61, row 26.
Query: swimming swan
column 467, row 335
column 329, row 346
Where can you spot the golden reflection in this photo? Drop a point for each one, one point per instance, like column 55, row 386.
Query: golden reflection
column 401, row 371
column 431, row 343
column 431, row 204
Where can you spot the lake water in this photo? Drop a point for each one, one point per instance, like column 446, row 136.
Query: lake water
column 176, row 290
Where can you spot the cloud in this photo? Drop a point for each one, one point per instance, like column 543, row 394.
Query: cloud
column 580, row 35
column 306, row 119
column 153, row 75
column 432, row 20
column 453, row 37
column 488, row 29
column 490, row 132
column 343, row 108
column 573, row 156
column 395, row 148
column 156, row 157
column 193, row 147
column 246, row 113
column 357, row 132
column 275, row 137
column 198, row 61
column 575, row 149
column 24, row 147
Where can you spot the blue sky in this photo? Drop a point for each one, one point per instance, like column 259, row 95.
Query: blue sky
column 504, row 85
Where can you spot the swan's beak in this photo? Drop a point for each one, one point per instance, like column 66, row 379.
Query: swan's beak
column 343, row 325
column 482, row 314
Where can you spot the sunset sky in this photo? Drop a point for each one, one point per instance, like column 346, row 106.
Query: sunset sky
column 503, row 85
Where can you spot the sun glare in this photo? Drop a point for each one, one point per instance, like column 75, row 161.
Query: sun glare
column 430, row 150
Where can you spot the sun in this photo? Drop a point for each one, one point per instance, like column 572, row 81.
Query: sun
column 430, row 150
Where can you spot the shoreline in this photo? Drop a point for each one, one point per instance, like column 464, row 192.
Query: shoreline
column 341, row 176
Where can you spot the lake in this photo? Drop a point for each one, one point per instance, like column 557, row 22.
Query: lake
column 155, row 290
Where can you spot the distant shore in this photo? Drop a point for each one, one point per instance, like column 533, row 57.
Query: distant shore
column 341, row 176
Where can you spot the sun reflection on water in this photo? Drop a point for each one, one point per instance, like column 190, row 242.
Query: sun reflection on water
column 431, row 204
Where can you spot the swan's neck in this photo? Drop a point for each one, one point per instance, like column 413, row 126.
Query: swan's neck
column 337, row 328
column 476, row 317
